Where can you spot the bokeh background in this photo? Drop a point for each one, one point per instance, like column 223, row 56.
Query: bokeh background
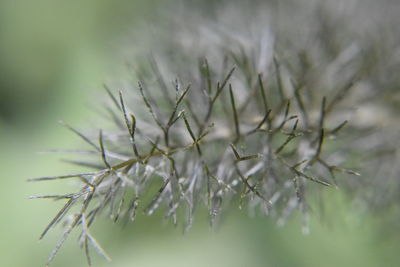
column 54, row 58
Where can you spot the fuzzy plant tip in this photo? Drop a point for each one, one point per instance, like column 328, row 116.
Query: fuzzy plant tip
column 245, row 113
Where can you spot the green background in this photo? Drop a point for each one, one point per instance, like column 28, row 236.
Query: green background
column 54, row 57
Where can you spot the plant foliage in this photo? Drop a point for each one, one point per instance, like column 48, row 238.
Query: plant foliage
column 240, row 114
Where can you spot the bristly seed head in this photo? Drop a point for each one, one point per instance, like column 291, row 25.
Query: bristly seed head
column 248, row 120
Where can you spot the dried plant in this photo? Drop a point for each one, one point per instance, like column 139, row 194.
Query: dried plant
column 250, row 119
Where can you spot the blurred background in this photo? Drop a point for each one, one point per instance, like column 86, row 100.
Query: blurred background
column 54, row 58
